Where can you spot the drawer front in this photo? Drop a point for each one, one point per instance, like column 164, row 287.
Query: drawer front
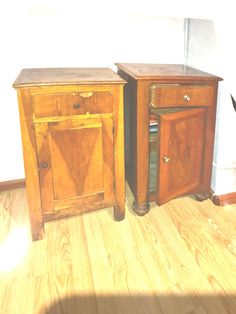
column 61, row 104
column 174, row 95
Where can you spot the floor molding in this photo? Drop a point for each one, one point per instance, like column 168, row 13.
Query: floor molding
column 225, row 199
column 12, row 184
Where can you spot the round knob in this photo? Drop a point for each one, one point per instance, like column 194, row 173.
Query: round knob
column 44, row 165
column 166, row 159
column 186, row 98
column 76, row 106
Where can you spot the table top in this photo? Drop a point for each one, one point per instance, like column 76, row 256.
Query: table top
column 66, row 76
column 166, row 71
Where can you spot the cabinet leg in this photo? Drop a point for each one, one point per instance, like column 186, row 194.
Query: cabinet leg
column 141, row 209
column 119, row 213
column 37, row 233
column 37, row 225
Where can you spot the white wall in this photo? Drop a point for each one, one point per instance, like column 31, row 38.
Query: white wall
column 67, row 33
column 212, row 48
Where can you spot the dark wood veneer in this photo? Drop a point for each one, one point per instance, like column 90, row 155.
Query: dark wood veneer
column 185, row 138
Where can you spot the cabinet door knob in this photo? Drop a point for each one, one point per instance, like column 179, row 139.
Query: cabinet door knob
column 76, row 106
column 187, row 97
column 166, row 159
column 44, row 165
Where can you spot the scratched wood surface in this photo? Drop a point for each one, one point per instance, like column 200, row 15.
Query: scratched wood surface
column 178, row 259
column 66, row 76
column 76, row 144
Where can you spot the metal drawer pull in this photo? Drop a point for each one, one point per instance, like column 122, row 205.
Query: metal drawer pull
column 187, row 97
column 76, row 106
column 166, row 159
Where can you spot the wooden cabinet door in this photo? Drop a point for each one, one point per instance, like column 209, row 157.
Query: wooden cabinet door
column 180, row 162
column 75, row 159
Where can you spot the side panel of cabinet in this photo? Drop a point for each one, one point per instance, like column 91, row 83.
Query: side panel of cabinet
column 30, row 164
column 75, row 167
column 130, row 125
column 181, row 153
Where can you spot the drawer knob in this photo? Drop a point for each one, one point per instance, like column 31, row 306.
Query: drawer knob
column 186, row 98
column 166, row 159
column 76, row 106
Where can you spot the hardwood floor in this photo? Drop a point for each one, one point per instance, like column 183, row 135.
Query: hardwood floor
column 178, row 259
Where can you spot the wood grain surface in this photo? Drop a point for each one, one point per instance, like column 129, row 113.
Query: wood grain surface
column 174, row 95
column 182, row 173
column 164, row 71
column 153, row 87
column 66, row 76
column 178, row 259
column 73, row 137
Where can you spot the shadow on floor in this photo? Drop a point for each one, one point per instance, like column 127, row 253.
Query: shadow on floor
column 145, row 304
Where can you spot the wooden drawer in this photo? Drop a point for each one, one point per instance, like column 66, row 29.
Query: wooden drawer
column 173, row 95
column 77, row 103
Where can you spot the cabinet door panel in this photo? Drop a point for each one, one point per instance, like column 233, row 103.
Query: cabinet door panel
column 181, row 141
column 76, row 168
column 76, row 157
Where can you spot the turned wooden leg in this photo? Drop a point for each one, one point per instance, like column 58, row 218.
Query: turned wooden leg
column 141, row 209
column 202, row 196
